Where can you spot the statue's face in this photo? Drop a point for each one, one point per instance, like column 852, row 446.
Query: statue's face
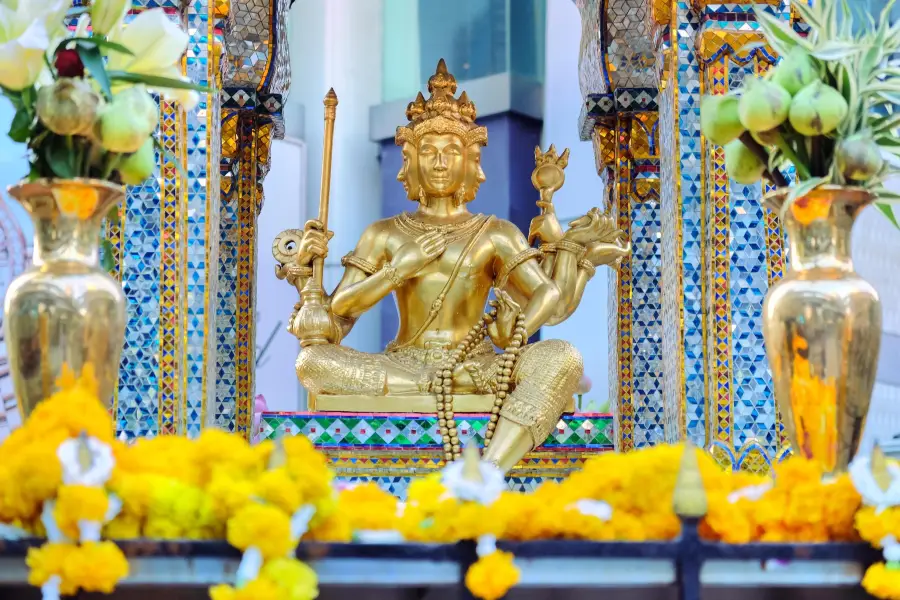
column 474, row 174
column 441, row 164
column 409, row 171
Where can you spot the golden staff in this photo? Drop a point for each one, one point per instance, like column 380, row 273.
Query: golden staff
column 314, row 325
column 330, row 102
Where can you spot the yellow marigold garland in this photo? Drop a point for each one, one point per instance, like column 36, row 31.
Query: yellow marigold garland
column 221, row 487
column 492, row 576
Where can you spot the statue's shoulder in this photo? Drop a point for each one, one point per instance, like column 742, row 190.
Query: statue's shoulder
column 504, row 229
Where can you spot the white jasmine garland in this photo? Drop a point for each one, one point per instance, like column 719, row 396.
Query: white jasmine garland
column 102, row 462
column 486, row 491
column 594, row 508
column 872, row 494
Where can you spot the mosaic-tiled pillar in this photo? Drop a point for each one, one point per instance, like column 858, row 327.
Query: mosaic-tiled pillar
column 620, row 116
column 160, row 254
column 256, row 78
column 693, row 323
column 721, row 248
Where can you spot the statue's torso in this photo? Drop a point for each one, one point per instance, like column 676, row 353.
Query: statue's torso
column 465, row 298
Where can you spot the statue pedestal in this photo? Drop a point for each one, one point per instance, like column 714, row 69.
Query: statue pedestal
column 391, row 448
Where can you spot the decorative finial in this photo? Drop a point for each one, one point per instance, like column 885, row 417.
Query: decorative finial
column 689, row 497
column 472, row 464
column 878, row 466
column 331, row 98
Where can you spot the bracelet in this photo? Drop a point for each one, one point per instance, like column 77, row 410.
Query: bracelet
column 587, row 266
column 547, row 248
column 566, row 246
column 390, row 272
column 513, row 264
column 360, row 263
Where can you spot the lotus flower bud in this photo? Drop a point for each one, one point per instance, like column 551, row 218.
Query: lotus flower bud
column 767, row 138
column 136, row 168
column 719, row 119
column 128, row 121
column 68, row 106
column 742, row 165
column 817, row 109
column 764, row 105
column 796, row 71
column 858, row 157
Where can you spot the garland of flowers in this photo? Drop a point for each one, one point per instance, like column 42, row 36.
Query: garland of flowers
column 65, row 477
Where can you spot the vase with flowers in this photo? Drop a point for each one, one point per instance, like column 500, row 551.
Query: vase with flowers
column 827, row 110
column 86, row 113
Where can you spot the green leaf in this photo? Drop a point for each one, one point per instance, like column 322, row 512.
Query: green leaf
column 811, row 15
column 93, row 62
column 888, row 211
column 112, row 217
column 107, row 260
column 156, row 82
column 780, row 36
column 836, row 50
column 885, row 125
column 21, row 126
column 101, row 44
column 60, row 158
column 168, row 157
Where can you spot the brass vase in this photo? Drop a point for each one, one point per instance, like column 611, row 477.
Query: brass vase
column 822, row 328
column 65, row 310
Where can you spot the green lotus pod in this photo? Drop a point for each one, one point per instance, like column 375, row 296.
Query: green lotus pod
column 127, row 122
column 767, row 138
column 858, row 157
column 742, row 165
column 796, row 71
column 137, row 167
column 764, row 105
column 68, row 106
column 817, row 109
column 719, row 119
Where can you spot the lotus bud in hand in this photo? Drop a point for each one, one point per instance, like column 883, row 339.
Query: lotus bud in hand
column 764, row 105
column 817, row 109
column 858, row 158
column 719, row 119
column 796, row 71
column 68, row 107
column 742, row 164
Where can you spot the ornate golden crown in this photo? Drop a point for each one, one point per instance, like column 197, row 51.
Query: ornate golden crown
column 442, row 112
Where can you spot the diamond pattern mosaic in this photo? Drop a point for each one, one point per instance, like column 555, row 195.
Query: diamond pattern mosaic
column 685, row 318
column 391, row 449
column 186, row 255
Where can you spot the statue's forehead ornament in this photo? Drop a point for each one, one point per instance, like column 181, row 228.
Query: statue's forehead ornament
column 441, row 113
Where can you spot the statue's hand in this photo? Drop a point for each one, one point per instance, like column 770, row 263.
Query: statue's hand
column 416, row 254
column 607, row 253
column 593, row 227
column 314, row 243
column 502, row 328
column 545, row 226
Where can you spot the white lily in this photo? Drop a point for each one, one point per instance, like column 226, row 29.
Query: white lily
column 473, row 480
column 85, row 461
column 27, row 31
column 157, row 44
column 107, row 15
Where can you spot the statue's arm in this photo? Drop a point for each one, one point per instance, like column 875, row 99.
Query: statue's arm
column 519, row 266
column 365, row 281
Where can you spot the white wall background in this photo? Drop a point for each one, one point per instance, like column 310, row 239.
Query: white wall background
column 284, row 208
column 586, row 329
